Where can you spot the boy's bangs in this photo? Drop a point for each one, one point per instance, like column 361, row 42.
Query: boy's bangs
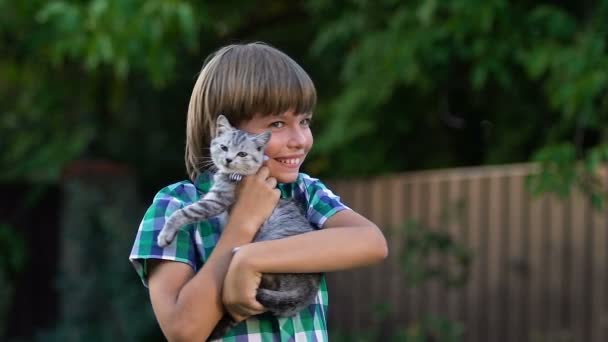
column 266, row 82
column 285, row 89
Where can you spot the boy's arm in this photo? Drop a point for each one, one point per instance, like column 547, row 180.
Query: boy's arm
column 188, row 305
column 348, row 240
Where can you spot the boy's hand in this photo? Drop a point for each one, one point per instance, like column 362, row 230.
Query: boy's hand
column 257, row 196
column 240, row 288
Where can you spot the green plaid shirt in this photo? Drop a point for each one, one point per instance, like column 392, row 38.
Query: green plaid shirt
column 196, row 242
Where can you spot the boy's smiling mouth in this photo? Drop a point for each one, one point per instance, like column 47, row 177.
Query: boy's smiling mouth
column 291, row 162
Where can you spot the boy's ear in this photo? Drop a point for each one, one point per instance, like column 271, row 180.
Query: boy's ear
column 262, row 139
column 222, row 125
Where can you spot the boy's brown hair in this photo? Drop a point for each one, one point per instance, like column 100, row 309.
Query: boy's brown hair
column 241, row 81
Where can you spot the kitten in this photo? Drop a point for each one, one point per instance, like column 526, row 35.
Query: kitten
column 236, row 153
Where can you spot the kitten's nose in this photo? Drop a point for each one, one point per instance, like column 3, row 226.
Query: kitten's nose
column 228, row 160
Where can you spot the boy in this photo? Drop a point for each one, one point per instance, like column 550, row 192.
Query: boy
column 258, row 88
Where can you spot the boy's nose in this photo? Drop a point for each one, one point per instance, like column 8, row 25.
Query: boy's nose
column 297, row 138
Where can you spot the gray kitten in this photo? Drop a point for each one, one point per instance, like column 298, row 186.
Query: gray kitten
column 236, row 153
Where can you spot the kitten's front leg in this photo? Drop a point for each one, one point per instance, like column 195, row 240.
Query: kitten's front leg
column 170, row 229
column 209, row 206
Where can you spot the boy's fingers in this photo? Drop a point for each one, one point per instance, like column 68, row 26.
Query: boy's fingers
column 263, row 172
column 272, row 182
column 237, row 312
column 277, row 193
column 256, row 307
column 238, row 318
column 240, row 312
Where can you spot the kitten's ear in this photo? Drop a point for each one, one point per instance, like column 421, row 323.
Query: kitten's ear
column 222, row 125
column 262, row 139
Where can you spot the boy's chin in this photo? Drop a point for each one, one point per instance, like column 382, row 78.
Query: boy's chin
column 286, row 177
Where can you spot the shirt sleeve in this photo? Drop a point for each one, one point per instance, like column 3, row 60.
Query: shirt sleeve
column 182, row 249
column 322, row 202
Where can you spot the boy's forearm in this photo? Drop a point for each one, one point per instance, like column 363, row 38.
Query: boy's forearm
column 324, row 250
column 214, row 270
column 201, row 296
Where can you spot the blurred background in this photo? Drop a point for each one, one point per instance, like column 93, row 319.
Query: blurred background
column 473, row 132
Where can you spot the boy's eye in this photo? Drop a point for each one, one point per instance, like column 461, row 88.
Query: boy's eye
column 224, row 148
column 242, row 154
column 306, row 122
column 277, row 124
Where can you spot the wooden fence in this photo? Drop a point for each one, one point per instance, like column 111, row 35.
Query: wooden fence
column 539, row 270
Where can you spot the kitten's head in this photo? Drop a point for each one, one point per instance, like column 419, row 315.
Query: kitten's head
column 236, row 151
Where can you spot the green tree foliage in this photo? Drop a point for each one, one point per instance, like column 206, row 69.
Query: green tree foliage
column 403, row 85
column 430, row 83
column 112, row 78
column 68, row 72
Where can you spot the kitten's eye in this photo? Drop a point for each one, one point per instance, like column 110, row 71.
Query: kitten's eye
column 277, row 124
column 224, row 148
column 242, row 154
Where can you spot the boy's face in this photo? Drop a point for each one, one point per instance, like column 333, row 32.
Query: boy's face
column 289, row 144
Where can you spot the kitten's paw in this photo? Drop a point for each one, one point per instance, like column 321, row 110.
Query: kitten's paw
column 165, row 238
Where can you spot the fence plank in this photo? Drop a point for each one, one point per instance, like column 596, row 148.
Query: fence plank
column 397, row 286
column 518, row 270
column 424, row 308
column 535, row 257
column 453, row 218
column 409, row 292
column 465, row 230
column 474, row 292
column 600, row 276
column 434, row 288
column 495, row 265
column 375, row 204
column 577, row 267
column 504, row 294
column 415, row 293
column 361, row 281
column 555, row 268
column 590, row 289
